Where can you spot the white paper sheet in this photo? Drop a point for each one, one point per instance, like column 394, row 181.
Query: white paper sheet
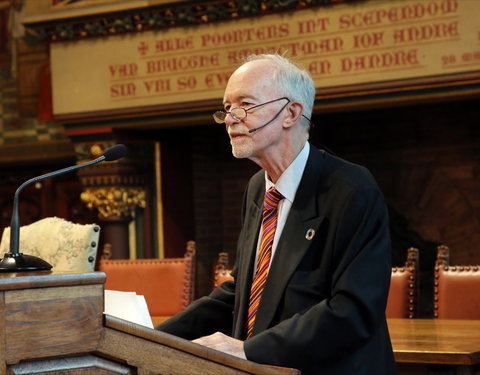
column 128, row 306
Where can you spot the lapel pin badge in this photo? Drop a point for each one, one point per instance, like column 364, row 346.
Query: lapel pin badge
column 310, row 233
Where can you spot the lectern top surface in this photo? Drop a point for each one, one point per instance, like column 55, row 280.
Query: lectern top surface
column 41, row 279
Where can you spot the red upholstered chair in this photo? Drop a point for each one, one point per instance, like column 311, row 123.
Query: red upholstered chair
column 167, row 284
column 221, row 272
column 402, row 296
column 403, row 286
column 457, row 288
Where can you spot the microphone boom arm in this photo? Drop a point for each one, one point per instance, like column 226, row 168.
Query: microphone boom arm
column 14, row 261
column 15, row 222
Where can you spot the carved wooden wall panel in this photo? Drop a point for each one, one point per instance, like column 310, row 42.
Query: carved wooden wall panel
column 30, row 60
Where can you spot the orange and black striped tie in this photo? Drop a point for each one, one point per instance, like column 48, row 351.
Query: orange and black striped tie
column 269, row 225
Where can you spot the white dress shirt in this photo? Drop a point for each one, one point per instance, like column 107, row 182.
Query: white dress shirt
column 287, row 185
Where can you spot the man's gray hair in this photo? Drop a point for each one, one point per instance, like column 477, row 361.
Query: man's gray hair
column 291, row 81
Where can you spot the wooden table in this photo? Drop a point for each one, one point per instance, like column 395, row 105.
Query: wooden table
column 436, row 346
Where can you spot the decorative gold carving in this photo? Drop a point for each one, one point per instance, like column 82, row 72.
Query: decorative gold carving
column 106, row 252
column 158, row 17
column 222, row 262
column 96, row 150
column 114, row 200
column 443, row 256
column 190, row 249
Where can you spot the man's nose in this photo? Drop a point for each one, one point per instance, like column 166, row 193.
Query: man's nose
column 230, row 120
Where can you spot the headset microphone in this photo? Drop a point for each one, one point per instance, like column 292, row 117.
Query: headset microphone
column 273, row 119
column 260, row 127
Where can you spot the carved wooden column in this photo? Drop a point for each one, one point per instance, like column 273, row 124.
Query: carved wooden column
column 116, row 190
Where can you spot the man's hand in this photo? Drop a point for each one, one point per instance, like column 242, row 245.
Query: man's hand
column 223, row 343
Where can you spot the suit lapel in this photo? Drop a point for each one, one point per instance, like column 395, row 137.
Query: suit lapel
column 293, row 243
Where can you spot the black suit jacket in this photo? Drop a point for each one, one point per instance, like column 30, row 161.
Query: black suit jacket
column 323, row 306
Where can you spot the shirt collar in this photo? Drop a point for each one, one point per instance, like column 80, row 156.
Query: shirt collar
column 288, row 182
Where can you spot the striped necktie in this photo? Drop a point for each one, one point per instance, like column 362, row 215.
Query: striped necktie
column 269, row 225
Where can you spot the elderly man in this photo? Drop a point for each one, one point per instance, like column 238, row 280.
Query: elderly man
column 313, row 257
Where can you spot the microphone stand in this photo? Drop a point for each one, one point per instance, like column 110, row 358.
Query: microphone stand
column 14, row 261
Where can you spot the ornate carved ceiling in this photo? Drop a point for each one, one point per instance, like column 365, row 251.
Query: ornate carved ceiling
column 159, row 17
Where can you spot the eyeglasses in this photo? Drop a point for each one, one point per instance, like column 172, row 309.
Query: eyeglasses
column 239, row 113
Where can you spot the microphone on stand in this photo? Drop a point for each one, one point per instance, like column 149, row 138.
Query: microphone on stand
column 14, row 261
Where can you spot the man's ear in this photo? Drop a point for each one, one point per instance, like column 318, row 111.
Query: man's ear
column 294, row 114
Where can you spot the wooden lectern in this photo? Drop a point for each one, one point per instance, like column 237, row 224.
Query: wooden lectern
column 53, row 323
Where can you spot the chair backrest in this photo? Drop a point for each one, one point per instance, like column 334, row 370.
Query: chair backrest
column 221, row 272
column 65, row 245
column 167, row 284
column 402, row 296
column 456, row 288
